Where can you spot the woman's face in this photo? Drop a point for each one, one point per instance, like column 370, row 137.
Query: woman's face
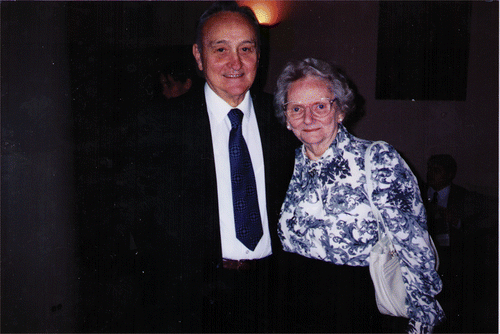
column 316, row 133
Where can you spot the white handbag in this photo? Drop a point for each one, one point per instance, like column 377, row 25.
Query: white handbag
column 385, row 270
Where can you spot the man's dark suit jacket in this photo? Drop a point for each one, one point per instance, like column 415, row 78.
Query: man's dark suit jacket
column 460, row 202
column 465, row 264
column 177, row 228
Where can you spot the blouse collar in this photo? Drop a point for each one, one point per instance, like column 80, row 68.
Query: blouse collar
column 334, row 150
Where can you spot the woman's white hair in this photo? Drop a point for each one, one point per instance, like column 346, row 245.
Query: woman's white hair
column 296, row 70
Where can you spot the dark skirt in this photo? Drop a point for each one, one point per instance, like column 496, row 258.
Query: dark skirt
column 323, row 297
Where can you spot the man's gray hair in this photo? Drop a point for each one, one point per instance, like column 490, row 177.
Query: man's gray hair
column 226, row 6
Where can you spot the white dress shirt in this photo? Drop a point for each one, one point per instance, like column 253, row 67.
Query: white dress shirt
column 442, row 201
column 442, row 196
column 220, row 126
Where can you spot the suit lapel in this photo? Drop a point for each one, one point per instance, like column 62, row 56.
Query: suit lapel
column 264, row 131
column 203, row 175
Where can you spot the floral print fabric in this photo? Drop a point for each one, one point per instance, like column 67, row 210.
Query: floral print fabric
column 326, row 215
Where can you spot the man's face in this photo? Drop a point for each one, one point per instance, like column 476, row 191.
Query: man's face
column 229, row 56
column 437, row 176
column 172, row 88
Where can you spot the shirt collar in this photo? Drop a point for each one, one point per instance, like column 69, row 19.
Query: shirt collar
column 220, row 108
column 335, row 147
column 340, row 140
column 443, row 193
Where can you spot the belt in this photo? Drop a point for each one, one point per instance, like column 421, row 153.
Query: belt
column 240, row 265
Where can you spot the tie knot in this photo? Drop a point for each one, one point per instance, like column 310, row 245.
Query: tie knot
column 235, row 116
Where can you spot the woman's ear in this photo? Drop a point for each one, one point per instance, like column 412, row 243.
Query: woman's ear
column 341, row 118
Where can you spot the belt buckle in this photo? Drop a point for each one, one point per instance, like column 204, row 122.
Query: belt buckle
column 246, row 265
column 239, row 265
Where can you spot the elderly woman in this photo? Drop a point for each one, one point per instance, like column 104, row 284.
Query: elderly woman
column 327, row 219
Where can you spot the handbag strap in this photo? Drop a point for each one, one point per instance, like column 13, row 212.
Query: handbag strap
column 369, row 187
column 376, row 212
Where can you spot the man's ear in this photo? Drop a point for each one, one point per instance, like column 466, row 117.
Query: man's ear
column 187, row 85
column 197, row 56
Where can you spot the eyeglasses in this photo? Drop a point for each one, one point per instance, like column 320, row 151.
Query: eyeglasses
column 319, row 109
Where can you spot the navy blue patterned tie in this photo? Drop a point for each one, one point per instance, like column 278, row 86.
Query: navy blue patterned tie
column 245, row 203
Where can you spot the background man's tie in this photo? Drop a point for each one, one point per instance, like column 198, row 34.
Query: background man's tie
column 245, row 203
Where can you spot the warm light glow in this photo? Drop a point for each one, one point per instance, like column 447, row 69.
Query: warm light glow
column 268, row 13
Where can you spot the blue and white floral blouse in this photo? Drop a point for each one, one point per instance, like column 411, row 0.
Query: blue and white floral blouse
column 326, row 215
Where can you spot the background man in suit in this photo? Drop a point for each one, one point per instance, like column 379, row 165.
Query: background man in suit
column 199, row 275
column 445, row 211
column 457, row 221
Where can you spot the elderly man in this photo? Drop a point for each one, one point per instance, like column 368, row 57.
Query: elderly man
column 208, row 230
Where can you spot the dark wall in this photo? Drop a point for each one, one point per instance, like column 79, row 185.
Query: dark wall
column 39, row 276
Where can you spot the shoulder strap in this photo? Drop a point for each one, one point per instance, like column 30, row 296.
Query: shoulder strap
column 369, row 187
column 376, row 212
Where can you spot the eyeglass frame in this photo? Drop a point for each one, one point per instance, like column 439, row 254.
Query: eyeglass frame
column 310, row 107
